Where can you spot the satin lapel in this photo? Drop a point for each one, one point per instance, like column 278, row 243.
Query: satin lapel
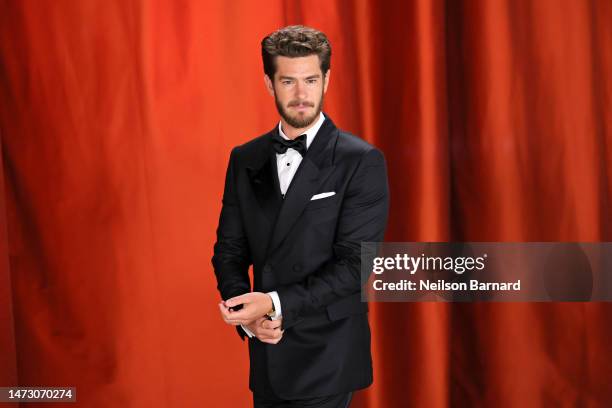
column 313, row 171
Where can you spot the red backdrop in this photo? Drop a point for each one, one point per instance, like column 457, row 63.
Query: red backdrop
column 117, row 118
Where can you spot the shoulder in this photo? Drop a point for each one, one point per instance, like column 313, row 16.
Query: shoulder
column 354, row 149
column 254, row 150
column 254, row 145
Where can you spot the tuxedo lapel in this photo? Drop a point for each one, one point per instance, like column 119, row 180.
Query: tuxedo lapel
column 315, row 168
column 263, row 177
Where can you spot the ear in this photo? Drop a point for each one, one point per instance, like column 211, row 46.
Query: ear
column 326, row 80
column 269, row 85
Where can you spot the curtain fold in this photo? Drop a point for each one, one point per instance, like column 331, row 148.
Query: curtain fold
column 8, row 372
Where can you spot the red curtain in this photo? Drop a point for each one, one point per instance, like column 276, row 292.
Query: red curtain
column 117, row 118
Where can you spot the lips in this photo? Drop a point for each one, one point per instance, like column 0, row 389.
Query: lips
column 301, row 106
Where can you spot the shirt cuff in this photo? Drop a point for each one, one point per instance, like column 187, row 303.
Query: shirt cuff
column 277, row 305
column 247, row 331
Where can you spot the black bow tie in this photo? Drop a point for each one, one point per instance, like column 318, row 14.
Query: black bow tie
column 281, row 144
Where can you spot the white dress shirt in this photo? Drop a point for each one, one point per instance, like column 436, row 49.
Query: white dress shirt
column 286, row 165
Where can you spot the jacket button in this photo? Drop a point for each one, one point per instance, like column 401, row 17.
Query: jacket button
column 267, row 268
column 297, row 267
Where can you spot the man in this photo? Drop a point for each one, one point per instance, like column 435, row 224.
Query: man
column 297, row 204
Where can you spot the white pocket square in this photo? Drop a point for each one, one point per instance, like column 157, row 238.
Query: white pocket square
column 322, row 195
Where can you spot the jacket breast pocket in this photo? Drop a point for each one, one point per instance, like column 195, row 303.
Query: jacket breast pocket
column 322, row 202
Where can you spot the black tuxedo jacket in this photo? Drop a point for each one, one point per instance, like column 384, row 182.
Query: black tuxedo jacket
column 309, row 252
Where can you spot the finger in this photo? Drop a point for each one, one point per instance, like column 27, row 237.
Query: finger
column 243, row 315
column 273, row 341
column 274, row 334
column 265, row 333
column 224, row 307
column 270, row 341
column 231, row 317
column 224, row 312
column 238, row 300
column 228, row 318
column 234, row 321
column 271, row 324
column 266, row 325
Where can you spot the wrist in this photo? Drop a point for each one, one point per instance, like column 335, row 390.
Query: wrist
column 278, row 312
column 271, row 311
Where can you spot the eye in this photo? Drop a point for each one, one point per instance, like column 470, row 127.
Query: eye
column 311, row 81
column 286, row 82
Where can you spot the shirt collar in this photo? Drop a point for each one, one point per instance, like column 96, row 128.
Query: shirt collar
column 311, row 132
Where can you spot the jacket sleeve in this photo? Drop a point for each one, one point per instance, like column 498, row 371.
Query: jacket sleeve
column 232, row 258
column 363, row 217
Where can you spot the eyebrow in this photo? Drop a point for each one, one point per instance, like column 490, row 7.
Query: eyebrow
column 308, row 77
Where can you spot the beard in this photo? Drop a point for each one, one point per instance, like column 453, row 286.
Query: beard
column 298, row 120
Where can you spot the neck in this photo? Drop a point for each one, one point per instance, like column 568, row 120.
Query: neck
column 292, row 132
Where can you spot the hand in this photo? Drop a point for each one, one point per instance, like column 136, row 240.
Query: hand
column 254, row 306
column 267, row 331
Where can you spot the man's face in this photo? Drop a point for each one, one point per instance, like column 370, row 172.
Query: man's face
column 298, row 89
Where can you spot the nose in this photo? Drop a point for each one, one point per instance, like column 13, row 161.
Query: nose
column 300, row 90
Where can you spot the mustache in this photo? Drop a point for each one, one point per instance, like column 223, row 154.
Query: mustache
column 305, row 103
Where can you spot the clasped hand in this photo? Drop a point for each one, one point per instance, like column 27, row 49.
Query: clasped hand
column 255, row 306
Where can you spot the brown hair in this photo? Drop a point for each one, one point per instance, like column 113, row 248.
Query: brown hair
column 295, row 41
